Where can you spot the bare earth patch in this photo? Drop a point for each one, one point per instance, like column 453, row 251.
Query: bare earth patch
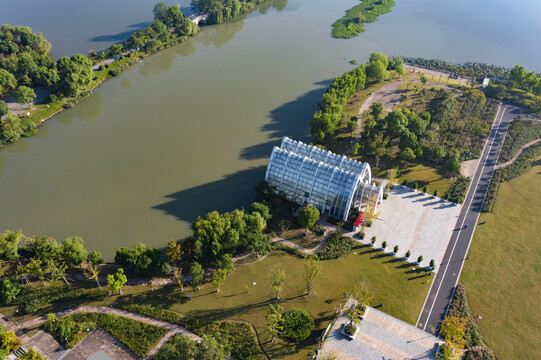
column 469, row 167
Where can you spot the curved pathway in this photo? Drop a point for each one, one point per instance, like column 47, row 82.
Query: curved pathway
column 520, row 152
column 172, row 329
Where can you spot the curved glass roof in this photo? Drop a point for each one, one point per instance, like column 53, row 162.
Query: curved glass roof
column 311, row 176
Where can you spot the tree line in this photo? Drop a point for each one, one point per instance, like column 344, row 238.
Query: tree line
column 222, row 10
column 328, row 118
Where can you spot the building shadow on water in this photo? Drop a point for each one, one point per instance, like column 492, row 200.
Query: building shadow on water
column 234, row 191
column 290, row 119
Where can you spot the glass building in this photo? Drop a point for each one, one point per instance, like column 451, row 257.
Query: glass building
column 333, row 183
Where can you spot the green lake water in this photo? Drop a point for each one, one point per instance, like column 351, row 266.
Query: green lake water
column 189, row 130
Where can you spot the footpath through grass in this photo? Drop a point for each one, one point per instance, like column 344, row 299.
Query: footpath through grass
column 503, row 270
column 394, row 283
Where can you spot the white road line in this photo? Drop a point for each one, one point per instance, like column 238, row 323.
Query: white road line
column 461, row 226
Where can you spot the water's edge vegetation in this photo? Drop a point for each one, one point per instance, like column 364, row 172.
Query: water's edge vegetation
column 26, row 65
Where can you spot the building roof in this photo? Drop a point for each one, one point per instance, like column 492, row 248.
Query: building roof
column 312, row 176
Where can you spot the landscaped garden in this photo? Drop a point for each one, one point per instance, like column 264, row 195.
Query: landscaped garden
column 502, row 272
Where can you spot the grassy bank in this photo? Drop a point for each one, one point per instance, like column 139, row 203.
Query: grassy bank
column 394, row 283
column 503, row 269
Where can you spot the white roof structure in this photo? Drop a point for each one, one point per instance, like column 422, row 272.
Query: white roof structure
column 332, row 183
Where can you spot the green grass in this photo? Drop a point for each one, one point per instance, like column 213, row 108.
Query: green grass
column 503, row 270
column 352, row 24
column 423, row 174
column 393, row 282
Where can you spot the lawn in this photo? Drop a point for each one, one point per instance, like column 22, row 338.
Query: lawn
column 423, row 174
column 394, row 283
column 503, row 271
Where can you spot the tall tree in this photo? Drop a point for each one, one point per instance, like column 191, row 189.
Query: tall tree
column 276, row 280
column 75, row 72
column 218, row 278
column 7, row 82
column 94, row 258
column 197, row 273
column 308, row 216
column 177, row 275
column 117, row 281
column 73, row 251
column 92, row 272
column 352, row 124
column 24, row 95
column 311, row 271
column 160, row 11
column 9, row 244
column 173, row 252
column 274, row 320
column 376, row 109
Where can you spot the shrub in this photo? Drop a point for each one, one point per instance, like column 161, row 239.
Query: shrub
column 384, row 244
column 318, row 229
column 436, row 193
column 408, row 254
column 297, row 324
column 395, row 250
column 114, row 72
column 373, row 240
column 432, row 263
column 368, row 223
column 405, row 182
column 420, row 259
column 101, row 67
column 385, row 196
column 361, row 235
column 335, row 247
column 425, row 189
column 458, row 189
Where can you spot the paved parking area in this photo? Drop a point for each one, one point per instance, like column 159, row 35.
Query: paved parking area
column 414, row 221
column 380, row 337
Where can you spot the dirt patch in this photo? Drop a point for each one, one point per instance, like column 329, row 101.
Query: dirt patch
column 469, row 167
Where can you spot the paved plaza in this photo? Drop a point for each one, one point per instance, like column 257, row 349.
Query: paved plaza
column 414, row 221
column 99, row 345
column 380, row 337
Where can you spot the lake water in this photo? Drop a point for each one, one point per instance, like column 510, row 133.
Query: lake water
column 190, row 129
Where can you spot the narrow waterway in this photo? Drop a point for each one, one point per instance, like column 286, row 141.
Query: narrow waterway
column 189, row 130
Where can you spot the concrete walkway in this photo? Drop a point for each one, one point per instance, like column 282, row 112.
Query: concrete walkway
column 520, row 152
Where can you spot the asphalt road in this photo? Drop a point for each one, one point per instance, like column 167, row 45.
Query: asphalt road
column 442, row 289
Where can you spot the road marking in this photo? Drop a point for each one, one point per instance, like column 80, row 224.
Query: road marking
column 464, row 218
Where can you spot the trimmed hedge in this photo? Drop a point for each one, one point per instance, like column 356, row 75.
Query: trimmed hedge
column 240, row 337
column 335, row 247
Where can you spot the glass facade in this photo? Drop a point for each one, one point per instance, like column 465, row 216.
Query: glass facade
column 311, row 176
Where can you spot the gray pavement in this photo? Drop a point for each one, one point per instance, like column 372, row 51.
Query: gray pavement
column 380, row 336
column 443, row 287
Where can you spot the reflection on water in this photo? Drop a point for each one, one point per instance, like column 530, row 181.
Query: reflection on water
column 216, row 35
column 126, row 84
column 21, row 146
column 87, row 110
